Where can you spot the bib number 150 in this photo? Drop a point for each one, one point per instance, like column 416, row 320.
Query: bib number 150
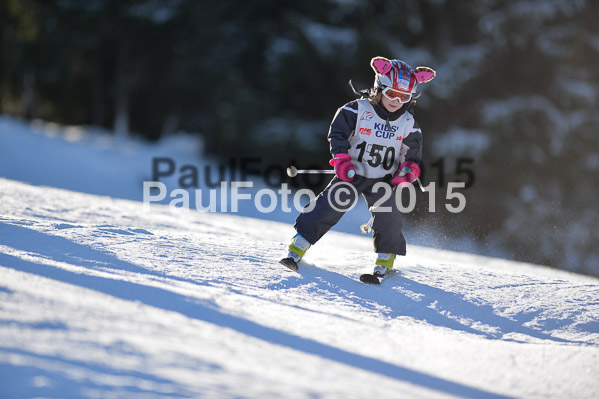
column 376, row 155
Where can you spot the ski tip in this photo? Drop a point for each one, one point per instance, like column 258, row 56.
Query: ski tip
column 289, row 263
column 370, row 279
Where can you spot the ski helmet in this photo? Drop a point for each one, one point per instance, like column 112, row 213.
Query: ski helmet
column 398, row 75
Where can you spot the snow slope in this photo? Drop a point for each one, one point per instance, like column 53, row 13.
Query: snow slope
column 104, row 297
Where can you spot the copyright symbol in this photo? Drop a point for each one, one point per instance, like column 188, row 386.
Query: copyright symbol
column 339, row 190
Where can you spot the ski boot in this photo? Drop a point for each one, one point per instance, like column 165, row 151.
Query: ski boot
column 297, row 249
column 383, row 268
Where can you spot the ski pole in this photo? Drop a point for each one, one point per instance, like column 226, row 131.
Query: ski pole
column 407, row 170
column 367, row 227
column 292, row 171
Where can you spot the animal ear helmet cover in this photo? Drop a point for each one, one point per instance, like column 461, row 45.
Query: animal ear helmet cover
column 398, row 75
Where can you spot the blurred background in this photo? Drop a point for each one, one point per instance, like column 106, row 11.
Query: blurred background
column 512, row 112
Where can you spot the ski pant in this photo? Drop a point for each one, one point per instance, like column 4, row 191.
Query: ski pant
column 338, row 197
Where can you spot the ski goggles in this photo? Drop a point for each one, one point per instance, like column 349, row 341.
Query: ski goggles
column 393, row 94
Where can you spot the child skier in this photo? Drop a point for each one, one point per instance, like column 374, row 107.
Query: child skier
column 373, row 139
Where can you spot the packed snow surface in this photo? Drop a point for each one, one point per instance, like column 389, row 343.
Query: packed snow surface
column 111, row 298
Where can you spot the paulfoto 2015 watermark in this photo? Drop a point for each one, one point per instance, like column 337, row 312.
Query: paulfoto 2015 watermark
column 342, row 196
column 241, row 195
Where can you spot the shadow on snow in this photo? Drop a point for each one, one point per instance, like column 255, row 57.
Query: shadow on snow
column 57, row 247
column 434, row 306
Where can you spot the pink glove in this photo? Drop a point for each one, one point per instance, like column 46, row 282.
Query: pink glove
column 344, row 169
column 407, row 173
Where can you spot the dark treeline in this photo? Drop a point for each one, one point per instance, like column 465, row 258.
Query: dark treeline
column 514, row 99
column 227, row 69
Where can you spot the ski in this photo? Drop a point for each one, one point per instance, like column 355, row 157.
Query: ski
column 365, row 278
column 372, row 279
column 289, row 263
